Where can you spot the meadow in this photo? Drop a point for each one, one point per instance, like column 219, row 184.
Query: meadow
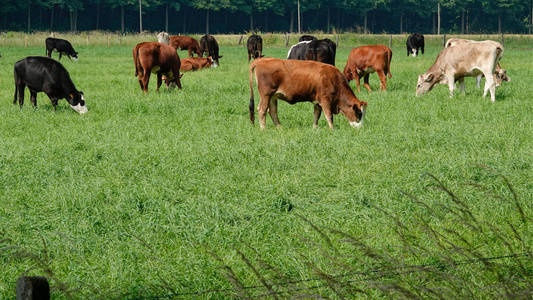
column 152, row 195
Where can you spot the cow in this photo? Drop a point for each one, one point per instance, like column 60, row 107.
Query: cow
column 307, row 38
column 209, row 45
column 158, row 58
column 182, row 42
column 298, row 81
column 500, row 75
column 61, row 46
column 43, row 74
column 415, row 42
column 463, row 60
column 317, row 50
column 255, row 47
column 163, row 37
column 195, row 63
column 369, row 59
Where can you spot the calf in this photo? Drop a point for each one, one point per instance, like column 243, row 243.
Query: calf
column 500, row 75
column 463, row 60
column 307, row 38
column 209, row 45
column 158, row 58
column 163, row 37
column 414, row 42
column 188, row 43
column 317, row 50
column 255, row 47
column 43, row 74
column 297, row 81
column 195, row 63
column 61, row 46
column 369, row 59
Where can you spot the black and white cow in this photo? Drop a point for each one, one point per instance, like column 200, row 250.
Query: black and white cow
column 414, row 42
column 317, row 50
column 61, row 46
column 43, row 74
column 307, row 38
column 209, row 45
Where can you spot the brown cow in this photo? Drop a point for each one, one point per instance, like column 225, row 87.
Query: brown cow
column 182, row 42
column 297, row 81
column 195, row 63
column 154, row 57
column 369, row 59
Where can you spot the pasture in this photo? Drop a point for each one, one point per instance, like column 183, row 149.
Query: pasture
column 135, row 196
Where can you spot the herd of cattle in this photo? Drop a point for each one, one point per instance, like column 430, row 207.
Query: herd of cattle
column 308, row 73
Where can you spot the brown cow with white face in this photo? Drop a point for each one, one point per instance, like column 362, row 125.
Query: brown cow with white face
column 158, row 58
column 460, row 61
column 500, row 75
column 369, row 59
column 195, row 63
column 298, row 81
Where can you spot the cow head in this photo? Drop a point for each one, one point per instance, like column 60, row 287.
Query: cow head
column 426, row 82
column 209, row 62
column 74, row 56
column 414, row 52
column 77, row 102
column 501, row 76
column 354, row 112
column 172, row 81
column 163, row 37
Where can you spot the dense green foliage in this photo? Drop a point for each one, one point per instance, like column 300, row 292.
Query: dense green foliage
column 130, row 197
column 237, row 16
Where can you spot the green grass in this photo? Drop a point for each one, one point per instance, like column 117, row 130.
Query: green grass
column 133, row 193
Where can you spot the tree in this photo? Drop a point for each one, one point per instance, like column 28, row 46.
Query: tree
column 209, row 5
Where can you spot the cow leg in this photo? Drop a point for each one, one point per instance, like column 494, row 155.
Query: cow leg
column 49, row 52
column 451, row 84
column 249, row 57
column 366, row 83
column 478, row 81
column 383, row 80
column 21, row 88
column 273, row 111
column 54, row 103
column 462, row 85
column 329, row 115
column 357, row 81
column 490, row 85
column 59, row 55
column 159, row 81
column 190, row 52
column 262, row 108
column 145, row 80
column 318, row 111
column 33, row 98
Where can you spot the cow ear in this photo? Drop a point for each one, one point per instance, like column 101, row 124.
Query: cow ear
column 430, row 77
column 220, row 56
column 71, row 96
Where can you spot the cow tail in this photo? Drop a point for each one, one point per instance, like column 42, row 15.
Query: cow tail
column 135, row 59
column 252, row 104
column 16, row 87
column 389, row 54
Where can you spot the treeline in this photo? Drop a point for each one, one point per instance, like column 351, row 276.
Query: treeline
column 237, row 16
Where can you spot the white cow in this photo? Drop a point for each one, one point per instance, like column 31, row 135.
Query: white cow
column 460, row 61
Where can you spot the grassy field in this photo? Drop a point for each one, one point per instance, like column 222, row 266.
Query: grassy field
column 131, row 198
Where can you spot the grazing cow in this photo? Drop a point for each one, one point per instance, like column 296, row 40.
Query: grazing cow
column 61, row 46
column 163, row 37
column 209, row 45
column 43, row 74
column 154, row 57
column 463, row 60
column 255, row 47
column 307, row 38
column 297, row 81
column 369, row 59
column 182, row 42
column 414, row 42
column 317, row 50
column 500, row 75
column 195, row 63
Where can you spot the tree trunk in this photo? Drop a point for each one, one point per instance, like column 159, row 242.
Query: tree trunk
column 166, row 18
column 252, row 21
column 207, row 22
column 467, row 26
column 291, row 24
column 365, row 31
column 299, row 19
column 329, row 19
column 338, row 18
column 499, row 23
column 29, row 16
column 438, row 18
column 52, row 18
column 266, row 20
column 40, row 17
column 433, row 28
column 97, row 14
column 140, row 17
column 401, row 23
column 531, row 24
column 463, row 22
column 122, row 18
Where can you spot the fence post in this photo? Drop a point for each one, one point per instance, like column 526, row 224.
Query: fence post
column 286, row 39
column 87, row 40
column 444, row 40
column 240, row 40
column 503, row 40
column 108, row 40
column 25, row 41
column 390, row 41
column 337, row 39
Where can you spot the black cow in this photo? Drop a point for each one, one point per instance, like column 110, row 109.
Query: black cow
column 61, row 46
column 317, row 50
column 209, row 45
column 414, row 42
column 255, row 47
column 43, row 74
column 307, row 38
